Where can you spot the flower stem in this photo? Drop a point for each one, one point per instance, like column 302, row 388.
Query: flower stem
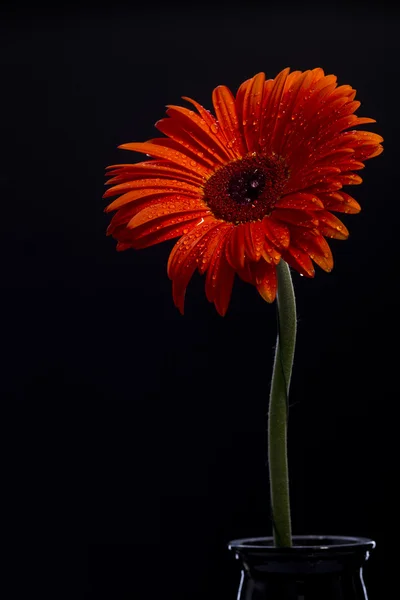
column 278, row 408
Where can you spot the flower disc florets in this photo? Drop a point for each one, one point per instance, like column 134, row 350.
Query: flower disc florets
column 246, row 189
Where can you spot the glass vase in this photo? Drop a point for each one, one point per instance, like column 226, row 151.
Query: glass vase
column 314, row 568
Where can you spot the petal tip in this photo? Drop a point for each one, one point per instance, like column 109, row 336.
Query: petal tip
column 221, row 310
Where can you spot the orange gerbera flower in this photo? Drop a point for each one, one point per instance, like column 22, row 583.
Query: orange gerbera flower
column 248, row 188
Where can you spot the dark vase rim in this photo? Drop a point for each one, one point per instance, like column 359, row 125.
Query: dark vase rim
column 304, row 543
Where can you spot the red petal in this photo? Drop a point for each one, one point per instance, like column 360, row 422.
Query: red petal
column 350, row 165
column 139, row 195
column 349, row 179
column 349, row 108
column 316, row 109
column 235, row 248
column 220, row 277
column 239, row 101
column 168, row 229
column 365, row 144
column 255, row 238
column 121, row 246
column 344, row 91
column 125, row 213
column 270, row 253
column 225, row 109
column 205, row 127
column 184, row 261
column 300, row 218
column 321, row 96
column 179, row 186
column 268, row 85
column 322, row 187
column 331, row 226
column 301, row 201
column 312, row 176
column 165, row 210
column 165, row 231
column 339, row 125
column 176, row 157
column 323, row 115
column 293, row 84
column 246, row 273
column 317, row 248
column 355, row 138
column 152, row 168
column 277, row 233
column 182, row 248
column 189, row 143
column 364, row 149
column 332, row 155
column 293, row 132
column 146, row 228
column 182, row 146
column 265, row 280
column 376, row 152
column 299, row 260
column 341, row 202
column 207, row 117
column 252, row 110
column 272, row 109
column 217, row 234
column 346, row 139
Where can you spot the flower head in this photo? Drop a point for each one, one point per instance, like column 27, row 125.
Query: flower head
column 248, row 187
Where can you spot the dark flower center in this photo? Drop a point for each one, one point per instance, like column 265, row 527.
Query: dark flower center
column 247, row 186
column 246, row 189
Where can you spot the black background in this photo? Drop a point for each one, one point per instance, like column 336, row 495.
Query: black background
column 145, row 428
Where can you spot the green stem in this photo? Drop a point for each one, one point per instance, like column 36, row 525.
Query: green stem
column 278, row 408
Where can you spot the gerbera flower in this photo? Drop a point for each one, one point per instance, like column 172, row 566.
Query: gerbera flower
column 244, row 189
